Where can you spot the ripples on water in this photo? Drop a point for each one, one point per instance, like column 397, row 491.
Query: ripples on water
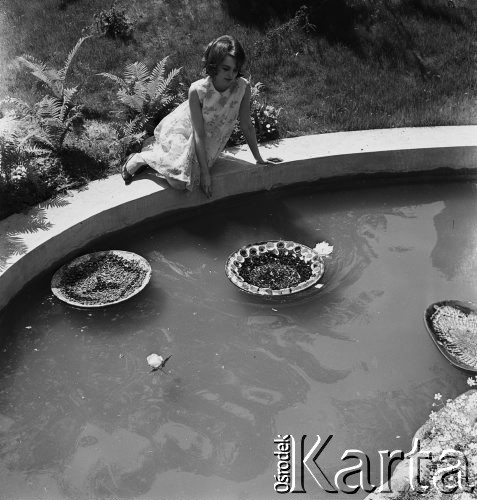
column 81, row 415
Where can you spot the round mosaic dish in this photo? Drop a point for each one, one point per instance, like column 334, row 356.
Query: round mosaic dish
column 276, row 267
column 101, row 279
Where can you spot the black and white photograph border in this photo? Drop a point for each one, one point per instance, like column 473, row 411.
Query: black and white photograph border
column 352, row 123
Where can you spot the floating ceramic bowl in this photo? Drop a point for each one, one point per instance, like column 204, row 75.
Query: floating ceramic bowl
column 274, row 268
column 452, row 325
column 101, row 279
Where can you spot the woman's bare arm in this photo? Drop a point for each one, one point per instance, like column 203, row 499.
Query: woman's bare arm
column 199, row 140
column 247, row 126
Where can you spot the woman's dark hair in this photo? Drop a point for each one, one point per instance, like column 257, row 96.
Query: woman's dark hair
column 218, row 50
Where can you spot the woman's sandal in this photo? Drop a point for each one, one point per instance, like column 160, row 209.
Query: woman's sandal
column 127, row 177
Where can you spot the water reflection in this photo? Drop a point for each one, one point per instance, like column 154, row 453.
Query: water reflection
column 83, row 416
column 282, row 340
column 457, row 236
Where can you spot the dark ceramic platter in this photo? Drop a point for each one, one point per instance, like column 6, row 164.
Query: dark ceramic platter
column 131, row 257
column 465, row 308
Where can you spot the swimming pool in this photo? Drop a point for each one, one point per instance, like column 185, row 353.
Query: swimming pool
column 82, row 416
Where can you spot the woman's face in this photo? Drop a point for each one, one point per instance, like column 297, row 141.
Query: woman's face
column 226, row 73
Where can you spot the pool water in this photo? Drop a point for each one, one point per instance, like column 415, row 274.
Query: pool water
column 83, row 417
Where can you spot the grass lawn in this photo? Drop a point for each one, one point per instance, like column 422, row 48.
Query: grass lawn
column 321, row 84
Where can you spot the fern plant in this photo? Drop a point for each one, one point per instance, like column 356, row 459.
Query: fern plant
column 55, row 113
column 18, row 127
column 147, row 96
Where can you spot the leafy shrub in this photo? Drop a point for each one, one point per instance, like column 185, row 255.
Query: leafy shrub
column 450, row 11
column 48, row 147
column 64, row 4
column 28, row 174
column 114, row 23
column 258, row 13
column 265, row 119
column 147, row 96
column 281, row 44
column 289, row 36
column 334, row 20
column 99, row 144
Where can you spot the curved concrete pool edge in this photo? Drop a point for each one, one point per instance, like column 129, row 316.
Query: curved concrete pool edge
column 34, row 241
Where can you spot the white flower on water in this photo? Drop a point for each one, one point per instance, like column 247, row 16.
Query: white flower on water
column 323, row 249
column 155, row 361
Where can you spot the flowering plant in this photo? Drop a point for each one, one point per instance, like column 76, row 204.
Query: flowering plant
column 265, row 118
column 451, row 429
column 448, row 441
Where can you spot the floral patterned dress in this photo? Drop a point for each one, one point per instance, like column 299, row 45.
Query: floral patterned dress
column 171, row 152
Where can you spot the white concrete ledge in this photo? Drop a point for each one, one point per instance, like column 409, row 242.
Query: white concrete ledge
column 35, row 241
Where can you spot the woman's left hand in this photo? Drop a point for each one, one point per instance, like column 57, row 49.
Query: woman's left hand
column 206, row 183
column 268, row 161
column 261, row 161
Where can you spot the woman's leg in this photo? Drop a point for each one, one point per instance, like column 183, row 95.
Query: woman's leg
column 181, row 185
column 134, row 163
